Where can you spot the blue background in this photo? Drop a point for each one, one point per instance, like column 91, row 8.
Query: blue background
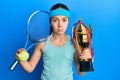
column 103, row 15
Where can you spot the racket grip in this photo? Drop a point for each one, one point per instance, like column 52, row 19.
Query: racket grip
column 14, row 65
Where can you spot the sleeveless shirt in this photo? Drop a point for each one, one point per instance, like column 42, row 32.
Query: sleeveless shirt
column 57, row 61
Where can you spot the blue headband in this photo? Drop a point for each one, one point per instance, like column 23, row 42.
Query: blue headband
column 59, row 12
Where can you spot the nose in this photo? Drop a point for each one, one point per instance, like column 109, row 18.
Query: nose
column 60, row 23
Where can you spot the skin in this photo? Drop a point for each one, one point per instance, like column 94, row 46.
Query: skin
column 58, row 38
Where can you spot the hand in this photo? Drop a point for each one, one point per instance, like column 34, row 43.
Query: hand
column 85, row 54
column 18, row 53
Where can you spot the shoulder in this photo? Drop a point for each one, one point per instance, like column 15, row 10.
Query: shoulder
column 40, row 46
column 69, row 38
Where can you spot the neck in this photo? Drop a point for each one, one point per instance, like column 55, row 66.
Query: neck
column 59, row 36
column 58, row 40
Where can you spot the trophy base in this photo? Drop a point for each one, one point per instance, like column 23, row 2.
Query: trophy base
column 86, row 66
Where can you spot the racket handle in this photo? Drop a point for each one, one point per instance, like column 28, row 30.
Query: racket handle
column 14, row 65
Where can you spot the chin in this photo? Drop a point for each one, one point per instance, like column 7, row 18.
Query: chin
column 61, row 33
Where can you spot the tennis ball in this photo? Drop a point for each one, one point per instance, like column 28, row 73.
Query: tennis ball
column 23, row 56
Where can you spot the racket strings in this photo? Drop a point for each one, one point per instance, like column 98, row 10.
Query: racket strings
column 38, row 27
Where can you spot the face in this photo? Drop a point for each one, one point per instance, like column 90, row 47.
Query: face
column 59, row 24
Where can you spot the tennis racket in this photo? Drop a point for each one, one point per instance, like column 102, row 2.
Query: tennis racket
column 37, row 30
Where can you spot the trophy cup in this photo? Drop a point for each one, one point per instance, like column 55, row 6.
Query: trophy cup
column 82, row 38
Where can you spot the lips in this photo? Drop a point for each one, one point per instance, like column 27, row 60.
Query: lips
column 60, row 30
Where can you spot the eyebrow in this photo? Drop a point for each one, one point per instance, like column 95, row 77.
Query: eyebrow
column 57, row 17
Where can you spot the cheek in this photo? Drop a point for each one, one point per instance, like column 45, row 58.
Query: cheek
column 66, row 25
column 53, row 26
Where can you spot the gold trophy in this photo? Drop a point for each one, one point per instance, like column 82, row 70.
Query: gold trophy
column 82, row 40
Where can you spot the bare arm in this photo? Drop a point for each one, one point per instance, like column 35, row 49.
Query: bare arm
column 29, row 66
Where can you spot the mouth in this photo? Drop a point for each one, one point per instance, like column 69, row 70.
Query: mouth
column 60, row 30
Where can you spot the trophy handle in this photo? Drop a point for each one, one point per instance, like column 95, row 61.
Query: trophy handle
column 90, row 31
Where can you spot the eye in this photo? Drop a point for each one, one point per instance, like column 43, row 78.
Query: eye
column 54, row 20
column 64, row 20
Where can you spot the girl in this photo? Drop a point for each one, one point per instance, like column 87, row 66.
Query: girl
column 58, row 51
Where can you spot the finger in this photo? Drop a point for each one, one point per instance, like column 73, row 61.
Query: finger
column 17, row 56
column 20, row 50
column 81, row 54
column 87, row 56
column 82, row 57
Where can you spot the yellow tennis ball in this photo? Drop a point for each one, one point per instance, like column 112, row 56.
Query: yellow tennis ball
column 23, row 56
